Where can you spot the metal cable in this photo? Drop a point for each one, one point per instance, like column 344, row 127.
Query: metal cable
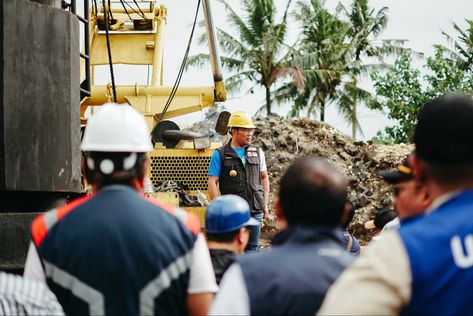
column 109, row 51
column 142, row 14
column 181, row 70
column 95, row 8
column 169, row 186
column 131, row 7
column 126, row 11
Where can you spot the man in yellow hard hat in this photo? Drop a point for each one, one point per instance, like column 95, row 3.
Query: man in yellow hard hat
column 239, row 168
column 116, row 252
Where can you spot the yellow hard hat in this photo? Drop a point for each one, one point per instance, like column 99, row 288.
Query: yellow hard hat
column 240, row 119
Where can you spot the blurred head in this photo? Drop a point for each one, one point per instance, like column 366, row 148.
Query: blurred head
column 312, row 192
column 382, row 217
column 115, row 144
column 411, row 198
column 444, row 142
column 226, row 220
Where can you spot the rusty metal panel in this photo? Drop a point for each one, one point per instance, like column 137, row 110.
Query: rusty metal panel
column 188, row 167
column 39, row 120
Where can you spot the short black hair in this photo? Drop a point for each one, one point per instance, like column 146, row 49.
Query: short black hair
column 224, row 237
column 119, row 175
column 313, row 192
column 449, row 174
column 443, row 134
column 384, row 216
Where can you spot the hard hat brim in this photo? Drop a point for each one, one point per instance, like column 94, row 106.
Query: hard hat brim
column 242, row 126
column 251, row 222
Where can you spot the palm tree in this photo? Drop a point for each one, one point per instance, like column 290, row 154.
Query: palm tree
column 259, row 54
column 463, row 46
column 322, row 56
column 366, row 27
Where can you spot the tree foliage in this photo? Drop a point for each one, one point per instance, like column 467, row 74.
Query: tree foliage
column 336, row 49
column 259, row 53
column 403, row 90
column 332, row 54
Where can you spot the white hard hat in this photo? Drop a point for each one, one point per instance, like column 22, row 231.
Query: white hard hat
column 116, row 128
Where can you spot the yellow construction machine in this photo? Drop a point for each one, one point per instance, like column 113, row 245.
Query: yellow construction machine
column 131, row 33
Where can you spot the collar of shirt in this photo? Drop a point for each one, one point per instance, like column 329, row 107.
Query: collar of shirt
column 444, row 198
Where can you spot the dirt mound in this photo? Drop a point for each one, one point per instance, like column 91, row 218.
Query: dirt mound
column 284, row 140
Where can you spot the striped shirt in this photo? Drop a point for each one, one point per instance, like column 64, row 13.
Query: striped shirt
column 20, row 296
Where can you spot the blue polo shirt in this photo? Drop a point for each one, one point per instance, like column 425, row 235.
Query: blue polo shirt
column 216, row 164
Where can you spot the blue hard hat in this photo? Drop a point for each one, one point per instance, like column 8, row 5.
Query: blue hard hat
column 228, row 213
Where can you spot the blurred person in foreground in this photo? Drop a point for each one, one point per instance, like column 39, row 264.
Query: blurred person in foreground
column 411, row 198
column 306, row 257
column 239, row 168
column 226, row 226
column 426, row 267
column 117, row 252
column 20, row 296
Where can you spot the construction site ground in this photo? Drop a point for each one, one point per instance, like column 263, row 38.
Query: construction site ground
column 284, row 140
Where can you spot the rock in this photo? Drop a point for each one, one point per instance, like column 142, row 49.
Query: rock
column 284, row 140
column 271, row 162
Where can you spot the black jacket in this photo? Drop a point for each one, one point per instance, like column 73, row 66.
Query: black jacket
column 239, row 179
column 294, row 276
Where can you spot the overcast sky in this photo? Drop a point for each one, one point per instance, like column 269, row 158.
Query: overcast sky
column 418, row 21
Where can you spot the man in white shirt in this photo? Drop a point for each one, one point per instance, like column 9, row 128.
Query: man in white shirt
column 423, row 269
column 307, row 256
column 116, row 251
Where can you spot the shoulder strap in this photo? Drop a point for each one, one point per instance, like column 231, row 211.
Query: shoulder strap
column 44, row 222
column 350, row 243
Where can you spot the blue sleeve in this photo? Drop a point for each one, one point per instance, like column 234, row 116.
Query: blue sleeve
column 355, row 248
column 215, row 164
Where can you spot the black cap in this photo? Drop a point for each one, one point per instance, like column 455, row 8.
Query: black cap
column 382, row 217
column 444, row 131
column 401, row 174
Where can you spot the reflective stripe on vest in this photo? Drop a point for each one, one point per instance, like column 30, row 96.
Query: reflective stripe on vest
column 162, row 282
column 189, row 220
column 91, row 296
column 44, row 222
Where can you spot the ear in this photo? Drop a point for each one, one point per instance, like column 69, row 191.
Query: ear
column 418, row 168
column 426, row 200
column 346, row 211
column 282, row 222
column 243, row 237
column 277, row 209
column 145, row 166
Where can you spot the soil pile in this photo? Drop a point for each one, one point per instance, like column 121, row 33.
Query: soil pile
column 284, row 140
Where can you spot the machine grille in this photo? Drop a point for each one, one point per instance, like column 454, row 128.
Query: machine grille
column 188, row 171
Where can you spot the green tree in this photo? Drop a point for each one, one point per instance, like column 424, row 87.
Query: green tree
column 462, row 52
column 322, row 56
column 332, row 53
column 259, row 53
column 366, row 26
column 401, row 96
column 401, row 93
